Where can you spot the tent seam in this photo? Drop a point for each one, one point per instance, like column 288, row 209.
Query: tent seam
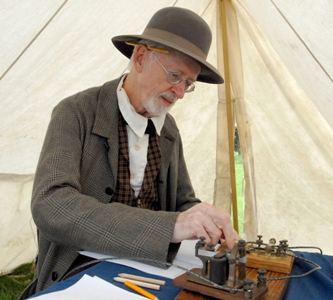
column 33, row 40
column 302, row 41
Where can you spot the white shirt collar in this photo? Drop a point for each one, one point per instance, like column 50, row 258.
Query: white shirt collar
column 134, row 120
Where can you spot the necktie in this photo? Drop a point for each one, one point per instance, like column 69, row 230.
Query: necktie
column 150, row 128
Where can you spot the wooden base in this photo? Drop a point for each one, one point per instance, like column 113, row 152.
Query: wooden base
column 276, row 288
column 281, row 264
column 182, row 281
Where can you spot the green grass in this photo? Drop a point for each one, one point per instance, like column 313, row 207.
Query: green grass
column 11, row 285
column 239, row 187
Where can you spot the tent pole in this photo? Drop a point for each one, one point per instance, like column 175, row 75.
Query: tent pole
column 230, row 115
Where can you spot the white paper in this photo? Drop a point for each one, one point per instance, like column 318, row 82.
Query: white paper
column 185, row 259
column 186, row 253
column 88, row 288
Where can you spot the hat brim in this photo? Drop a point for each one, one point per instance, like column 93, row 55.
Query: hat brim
column 208, row 73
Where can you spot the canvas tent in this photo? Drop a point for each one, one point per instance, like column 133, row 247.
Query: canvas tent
column 279, row 71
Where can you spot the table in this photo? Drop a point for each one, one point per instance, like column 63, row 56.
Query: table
column 317, row 285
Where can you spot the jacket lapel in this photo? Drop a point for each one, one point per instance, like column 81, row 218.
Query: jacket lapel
column 167, row 142
column 106, row 124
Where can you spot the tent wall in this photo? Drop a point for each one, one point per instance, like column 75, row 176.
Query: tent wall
column 18, row 233
column 287, row 90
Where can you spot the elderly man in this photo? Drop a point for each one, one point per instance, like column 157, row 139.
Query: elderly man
column 107, row 182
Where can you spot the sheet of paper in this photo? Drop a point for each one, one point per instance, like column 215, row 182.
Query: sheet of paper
column 88, row 288
column 185, row 260
column 186, row 253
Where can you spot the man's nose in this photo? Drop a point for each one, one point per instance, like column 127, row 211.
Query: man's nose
column 179, row 89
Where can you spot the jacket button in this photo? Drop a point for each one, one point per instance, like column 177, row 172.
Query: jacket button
column 109, row 191
column 54, row 276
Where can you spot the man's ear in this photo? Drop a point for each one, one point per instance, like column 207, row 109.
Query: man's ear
column 139, row 56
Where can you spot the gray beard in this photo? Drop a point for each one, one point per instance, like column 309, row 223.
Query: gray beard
column 154, row 108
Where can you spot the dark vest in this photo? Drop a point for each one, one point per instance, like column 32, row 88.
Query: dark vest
column 148, row 195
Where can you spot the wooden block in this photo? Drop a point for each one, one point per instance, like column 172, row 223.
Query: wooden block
column 282, row 264
column 258, row 260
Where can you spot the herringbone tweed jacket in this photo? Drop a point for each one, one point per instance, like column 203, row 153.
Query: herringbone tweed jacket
column 76, row 173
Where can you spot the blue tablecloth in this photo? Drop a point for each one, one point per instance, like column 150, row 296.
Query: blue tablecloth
column 107, row 271
column 317, row 285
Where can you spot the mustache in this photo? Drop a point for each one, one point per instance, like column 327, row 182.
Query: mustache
column 173, row 98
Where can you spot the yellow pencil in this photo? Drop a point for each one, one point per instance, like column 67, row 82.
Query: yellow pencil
column 140, row 290
column 148, row 47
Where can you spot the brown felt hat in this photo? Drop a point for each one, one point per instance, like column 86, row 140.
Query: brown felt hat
column 180, row 29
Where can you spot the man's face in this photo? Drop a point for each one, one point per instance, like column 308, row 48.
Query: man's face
column 158, row 94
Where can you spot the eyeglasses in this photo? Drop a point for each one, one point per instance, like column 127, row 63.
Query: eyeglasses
column 175, row 78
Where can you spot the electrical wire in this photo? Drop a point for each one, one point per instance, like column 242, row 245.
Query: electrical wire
column 317, row 267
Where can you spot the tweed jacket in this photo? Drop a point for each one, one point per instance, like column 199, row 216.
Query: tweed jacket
column 76, row 175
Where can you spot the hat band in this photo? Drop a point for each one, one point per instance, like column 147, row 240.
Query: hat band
column 172, row 39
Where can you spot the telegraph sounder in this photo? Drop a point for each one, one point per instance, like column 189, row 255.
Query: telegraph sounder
column 241, row 272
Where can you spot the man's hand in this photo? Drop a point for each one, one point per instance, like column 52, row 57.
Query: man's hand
column 204, row 220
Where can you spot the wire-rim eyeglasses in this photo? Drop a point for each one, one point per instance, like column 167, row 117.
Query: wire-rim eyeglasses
column 175, row 78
